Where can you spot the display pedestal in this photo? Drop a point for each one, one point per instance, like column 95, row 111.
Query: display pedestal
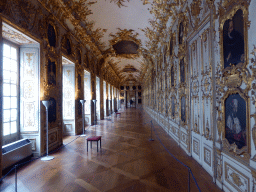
column 46, row 158
column 83, row 101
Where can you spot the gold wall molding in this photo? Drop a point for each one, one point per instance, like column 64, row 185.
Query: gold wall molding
column 236, row 179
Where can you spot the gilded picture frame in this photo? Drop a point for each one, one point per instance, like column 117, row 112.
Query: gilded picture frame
column 173, row 106
column 51, row 69
column 171, row 45
column 236, row 122
column 172, row 76
column 66, row 45
column 52, row 34
column 182, row 70
column 183, row 112
column 233, row 25
column 181, row 33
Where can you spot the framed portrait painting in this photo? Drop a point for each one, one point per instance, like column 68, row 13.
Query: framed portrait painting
column 235, row 120
column 172, row 76
column 51, row 72
column 181, row 33
column 173, row 106
column 233, row 40
column 171, row 46
column 51, row 35
column 182, row 71
column 52, row 110
column 183, row 109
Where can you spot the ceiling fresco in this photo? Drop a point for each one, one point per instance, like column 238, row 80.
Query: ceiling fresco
column 123, row 40
column 124, row 33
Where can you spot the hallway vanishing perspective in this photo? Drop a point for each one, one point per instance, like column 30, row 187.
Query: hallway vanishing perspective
column 127, row 161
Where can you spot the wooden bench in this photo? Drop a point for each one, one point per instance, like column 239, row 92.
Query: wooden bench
column 94, row 138
column 117, row 113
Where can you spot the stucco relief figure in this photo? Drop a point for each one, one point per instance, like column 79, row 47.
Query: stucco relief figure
column 235, row 120
column 233, row 41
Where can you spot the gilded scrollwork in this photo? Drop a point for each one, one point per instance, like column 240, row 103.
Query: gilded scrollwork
column 195, row 11
column 236, row 179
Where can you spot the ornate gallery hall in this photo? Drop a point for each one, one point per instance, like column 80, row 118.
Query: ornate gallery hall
column 117, row 74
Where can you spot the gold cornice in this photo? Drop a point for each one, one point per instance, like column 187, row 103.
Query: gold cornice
column 26, row 32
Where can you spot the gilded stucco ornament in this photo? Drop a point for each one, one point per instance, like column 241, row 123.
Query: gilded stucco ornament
column 207, row 133
column 125, row 35
column 76, row 11
column 253, row 95
column 253, row 61
column 235, row 76
column 195, row 12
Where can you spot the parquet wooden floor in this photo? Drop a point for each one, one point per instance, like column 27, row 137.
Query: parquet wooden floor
column 127, row 161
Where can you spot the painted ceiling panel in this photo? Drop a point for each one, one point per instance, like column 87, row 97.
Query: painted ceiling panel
column 123, row 32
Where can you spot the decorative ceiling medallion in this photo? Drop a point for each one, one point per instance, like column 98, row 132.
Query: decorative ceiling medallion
column 126, row 47
column 15, row 36
column 129, row 78
column 130, row 69
column 125, row 35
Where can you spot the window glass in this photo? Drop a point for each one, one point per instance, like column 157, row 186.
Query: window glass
column 6, row 64
column 6, row 50
column 13, row 90
column 10, row 75
column 13, row 114
column 13, row 77
column 14, row 53
column 6, row 90
column 13, row 127
column 6, row 76
column 7, row 115
column 13, row 65
column 6, row 103
column 6, row 129
column 13, row 102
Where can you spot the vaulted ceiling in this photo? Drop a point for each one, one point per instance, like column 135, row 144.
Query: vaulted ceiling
column 123, row 41
column 125, row 33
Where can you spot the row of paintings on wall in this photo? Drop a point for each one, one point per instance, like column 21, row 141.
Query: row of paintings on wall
column 233, row 40
column 235, row 118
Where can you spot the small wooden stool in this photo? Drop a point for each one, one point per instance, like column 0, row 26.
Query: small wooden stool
column 117, row 113
column 95, row 138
